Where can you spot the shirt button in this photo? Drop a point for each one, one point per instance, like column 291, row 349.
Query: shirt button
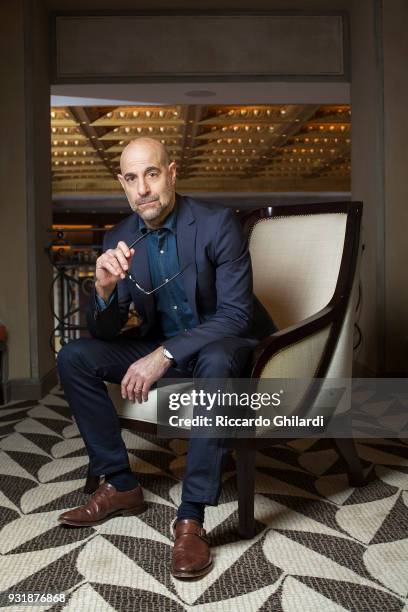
column 161, row 251
column 175, row 307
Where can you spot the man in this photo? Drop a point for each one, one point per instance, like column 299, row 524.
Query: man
column 196, row 323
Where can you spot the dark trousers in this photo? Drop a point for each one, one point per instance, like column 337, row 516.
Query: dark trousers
column 86, row 363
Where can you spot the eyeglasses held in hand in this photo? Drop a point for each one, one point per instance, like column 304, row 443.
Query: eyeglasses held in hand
column 168, row 280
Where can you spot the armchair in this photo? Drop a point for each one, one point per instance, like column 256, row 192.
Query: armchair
column 305, row 261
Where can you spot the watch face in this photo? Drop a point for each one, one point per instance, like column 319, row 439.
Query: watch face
column 167, row 354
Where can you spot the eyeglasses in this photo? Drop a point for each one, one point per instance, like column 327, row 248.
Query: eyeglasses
column 168, row 280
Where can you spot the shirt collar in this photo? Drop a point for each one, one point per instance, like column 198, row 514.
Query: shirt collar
column 169, row 223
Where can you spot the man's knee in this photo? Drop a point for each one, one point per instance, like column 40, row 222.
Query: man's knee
column 75, row 354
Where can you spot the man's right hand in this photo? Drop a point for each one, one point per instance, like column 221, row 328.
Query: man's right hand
column 110, row 267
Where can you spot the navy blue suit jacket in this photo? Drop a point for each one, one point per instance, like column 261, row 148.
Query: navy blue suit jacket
column 217, row 283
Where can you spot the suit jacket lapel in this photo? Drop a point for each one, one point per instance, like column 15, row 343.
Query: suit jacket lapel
column 186, row 241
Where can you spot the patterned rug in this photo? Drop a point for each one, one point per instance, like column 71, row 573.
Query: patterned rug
column 319, row 544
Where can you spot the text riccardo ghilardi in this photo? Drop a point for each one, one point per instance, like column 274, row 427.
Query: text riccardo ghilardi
column 218, row 399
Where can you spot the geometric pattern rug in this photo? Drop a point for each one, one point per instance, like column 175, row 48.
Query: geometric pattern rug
column 319, row 544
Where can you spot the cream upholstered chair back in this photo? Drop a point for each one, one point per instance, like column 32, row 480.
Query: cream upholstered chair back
column 305, row 267
column 296, row 262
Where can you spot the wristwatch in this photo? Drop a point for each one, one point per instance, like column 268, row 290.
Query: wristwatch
column 167, row 354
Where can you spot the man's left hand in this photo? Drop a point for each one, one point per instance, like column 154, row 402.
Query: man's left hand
column 142, row 374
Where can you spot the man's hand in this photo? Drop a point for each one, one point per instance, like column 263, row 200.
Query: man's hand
column 110, row 267
column 142, row 374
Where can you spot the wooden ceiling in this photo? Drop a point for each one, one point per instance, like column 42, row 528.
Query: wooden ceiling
column 217, row 148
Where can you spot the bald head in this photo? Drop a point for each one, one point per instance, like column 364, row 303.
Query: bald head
column 143, row 146
column 148, row 179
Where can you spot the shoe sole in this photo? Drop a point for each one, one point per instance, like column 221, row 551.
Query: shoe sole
column 197, row 574
column 128, row 512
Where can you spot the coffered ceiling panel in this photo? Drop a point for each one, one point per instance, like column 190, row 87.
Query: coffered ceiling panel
column 217, row 148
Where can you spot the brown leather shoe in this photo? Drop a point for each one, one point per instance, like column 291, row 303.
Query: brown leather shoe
column 104, row 504
column 191, row 552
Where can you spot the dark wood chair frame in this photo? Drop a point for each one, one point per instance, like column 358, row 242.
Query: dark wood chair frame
column 332, row 314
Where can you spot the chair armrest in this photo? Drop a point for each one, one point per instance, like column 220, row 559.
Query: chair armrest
column 307, row 339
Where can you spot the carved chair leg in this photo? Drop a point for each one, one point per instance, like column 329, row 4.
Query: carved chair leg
column 245, row 460
column 92, row 483
column 347, row 449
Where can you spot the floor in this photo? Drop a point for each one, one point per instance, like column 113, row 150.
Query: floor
column 319, row 544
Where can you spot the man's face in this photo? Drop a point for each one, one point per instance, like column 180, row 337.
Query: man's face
column 148, row 183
